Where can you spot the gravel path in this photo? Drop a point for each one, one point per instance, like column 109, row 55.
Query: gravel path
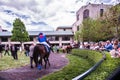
column 26, row 73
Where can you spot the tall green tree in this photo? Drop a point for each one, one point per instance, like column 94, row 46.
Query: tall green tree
column 113, row 18
column 19, row 32
column 94, row 30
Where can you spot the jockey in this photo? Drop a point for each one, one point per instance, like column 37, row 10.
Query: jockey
column 42, row 40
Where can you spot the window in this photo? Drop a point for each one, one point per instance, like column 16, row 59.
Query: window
column 31, row 38
column 77, row 17
column 57, row 38
column 4, row 39
column 101, row 12
column 65, row 38
column 78, row 28
column 51, row 38
column 86, row 14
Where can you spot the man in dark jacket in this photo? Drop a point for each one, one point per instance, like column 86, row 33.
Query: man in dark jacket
column 13, row 50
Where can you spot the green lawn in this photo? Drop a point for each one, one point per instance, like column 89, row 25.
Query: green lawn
column 79, row 62
column 77, row 65
column 105, row 69
column 82, row 60
column 7, row 62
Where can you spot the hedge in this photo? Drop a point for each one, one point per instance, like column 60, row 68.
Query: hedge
column 82, row 60
column 79, row 62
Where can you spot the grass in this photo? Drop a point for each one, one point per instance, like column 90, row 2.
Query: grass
column 79, row 62
column 7, row 62
column 105, row 69
column 82, row 60
column 77, row 65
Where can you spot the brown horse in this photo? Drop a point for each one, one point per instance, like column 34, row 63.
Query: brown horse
column 40, row 53
column 67, row 49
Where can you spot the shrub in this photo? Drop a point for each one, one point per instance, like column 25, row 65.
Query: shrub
column 105, row 69
column 79, row 62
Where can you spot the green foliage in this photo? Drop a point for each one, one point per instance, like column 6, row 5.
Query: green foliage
column 77, row 35
column 19, row 32
column 82, row 60
column 7, row 62
column 113, row 18
column 105, row 69
column 92, row 30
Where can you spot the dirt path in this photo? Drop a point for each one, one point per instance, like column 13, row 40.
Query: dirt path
column 26, row 73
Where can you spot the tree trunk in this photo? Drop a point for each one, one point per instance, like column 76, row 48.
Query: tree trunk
column 22, row 46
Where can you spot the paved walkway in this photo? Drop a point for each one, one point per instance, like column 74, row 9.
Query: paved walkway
column 26, row 73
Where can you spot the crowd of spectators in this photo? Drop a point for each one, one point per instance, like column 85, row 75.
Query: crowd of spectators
column 113, row 47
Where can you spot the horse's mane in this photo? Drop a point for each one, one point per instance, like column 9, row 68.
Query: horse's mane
column 39, row 48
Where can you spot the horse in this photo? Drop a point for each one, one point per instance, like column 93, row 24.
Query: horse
column 67, row 49
column 40, row 51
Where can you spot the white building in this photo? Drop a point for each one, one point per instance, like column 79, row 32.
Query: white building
column 58, row 37
column 89, row 11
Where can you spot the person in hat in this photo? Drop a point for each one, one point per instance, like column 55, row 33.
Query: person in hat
column 43, row 40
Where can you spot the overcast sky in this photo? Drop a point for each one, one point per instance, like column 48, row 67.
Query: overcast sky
column 42, row 14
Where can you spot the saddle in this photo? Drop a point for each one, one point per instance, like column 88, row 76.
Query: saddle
column 46, row 48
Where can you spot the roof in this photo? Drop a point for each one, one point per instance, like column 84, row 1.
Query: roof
column 6, row 33
column 50, row 33
column 64, row 27
column 35, row 33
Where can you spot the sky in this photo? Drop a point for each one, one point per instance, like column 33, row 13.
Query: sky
column 42, row 15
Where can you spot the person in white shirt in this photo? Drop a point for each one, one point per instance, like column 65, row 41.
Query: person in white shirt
column 31, row 48
column 115, row 52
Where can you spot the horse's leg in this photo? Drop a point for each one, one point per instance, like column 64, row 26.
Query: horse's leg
column 48, row 59
column 40, row 61
column 67, row 50
column 36, row 61
column 45, row 60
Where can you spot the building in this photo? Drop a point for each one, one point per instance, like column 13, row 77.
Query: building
column 59, row 37
column 89, row 11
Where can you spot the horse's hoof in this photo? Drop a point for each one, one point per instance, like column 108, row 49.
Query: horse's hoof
column 39, row 67
column 31, row 67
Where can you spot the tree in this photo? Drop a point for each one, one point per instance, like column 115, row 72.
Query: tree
column 95, row 30
column 19, row 32
column 113, row 18
column 88, row 30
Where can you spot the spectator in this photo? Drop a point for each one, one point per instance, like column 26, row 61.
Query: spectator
column 27, row 50
column 31, row 55
column 6, row 50
column 108, row 46
column 101, row 46
column 115, row 52
column 13, row 50
column 57, row 48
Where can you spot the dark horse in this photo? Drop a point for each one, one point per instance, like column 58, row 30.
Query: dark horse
column 67, row 49
column 40, row 53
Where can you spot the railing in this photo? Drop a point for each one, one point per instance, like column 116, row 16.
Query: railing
column 83, row 75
